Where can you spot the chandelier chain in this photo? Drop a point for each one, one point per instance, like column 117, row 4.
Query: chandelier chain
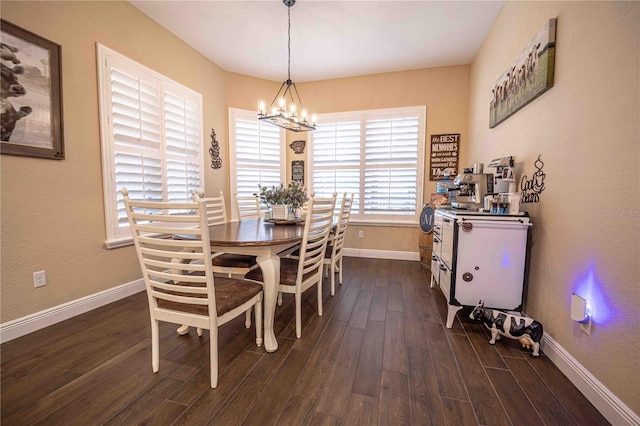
column 289, row 44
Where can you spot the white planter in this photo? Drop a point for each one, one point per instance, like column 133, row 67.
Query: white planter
column 280, row 211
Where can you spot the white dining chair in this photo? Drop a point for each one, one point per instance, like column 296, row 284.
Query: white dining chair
column 333, row 254
column 229, row 264
column 224, row 263
column 246, row 207
column 174, row 251
column 298, row 275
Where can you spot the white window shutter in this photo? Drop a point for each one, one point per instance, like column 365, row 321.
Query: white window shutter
column 257, row 153
column 151, row 131
column 375, row 154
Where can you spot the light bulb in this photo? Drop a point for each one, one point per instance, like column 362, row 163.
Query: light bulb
column 281, row 103
column 314, row 119
column 261, row 108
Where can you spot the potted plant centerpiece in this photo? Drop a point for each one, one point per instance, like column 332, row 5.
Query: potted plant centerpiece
column 283, row 202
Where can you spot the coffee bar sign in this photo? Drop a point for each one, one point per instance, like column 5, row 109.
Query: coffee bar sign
column 444, row 155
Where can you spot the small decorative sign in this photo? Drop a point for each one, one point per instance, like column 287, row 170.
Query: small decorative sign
column 426, row 218
column 444, row 155
column 297, row 172
column 532, row 188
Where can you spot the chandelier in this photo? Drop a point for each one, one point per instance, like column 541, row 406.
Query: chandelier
column 279, row 113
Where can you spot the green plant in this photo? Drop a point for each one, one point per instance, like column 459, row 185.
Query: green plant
column 293, row 194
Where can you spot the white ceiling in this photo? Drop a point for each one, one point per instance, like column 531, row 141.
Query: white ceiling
column 329, row 39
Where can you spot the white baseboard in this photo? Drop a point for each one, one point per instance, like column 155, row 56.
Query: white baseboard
column 609, row 405
column 30, row 323
column 382, row 254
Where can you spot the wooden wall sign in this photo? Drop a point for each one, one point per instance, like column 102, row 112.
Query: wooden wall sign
column 444, row 155
column 297, row 172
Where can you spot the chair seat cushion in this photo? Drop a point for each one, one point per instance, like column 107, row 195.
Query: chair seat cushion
column 231, row 260
column 288, row 272
column 230, row 293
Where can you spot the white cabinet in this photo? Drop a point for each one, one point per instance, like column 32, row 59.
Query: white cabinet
column 480, row 257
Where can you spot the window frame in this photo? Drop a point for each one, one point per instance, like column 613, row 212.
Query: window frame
column 362, row 117
column 116, row 234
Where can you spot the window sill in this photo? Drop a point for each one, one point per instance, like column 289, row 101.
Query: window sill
column 118, row 242
column 405, row 224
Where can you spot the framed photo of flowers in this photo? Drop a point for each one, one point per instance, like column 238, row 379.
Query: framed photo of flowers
column 31, row 97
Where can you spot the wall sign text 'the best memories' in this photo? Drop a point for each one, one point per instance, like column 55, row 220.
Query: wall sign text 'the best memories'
column 444, row 155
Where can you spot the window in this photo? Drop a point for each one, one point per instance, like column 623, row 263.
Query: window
column 151, row 132
column 378, row 155
column 256, row 153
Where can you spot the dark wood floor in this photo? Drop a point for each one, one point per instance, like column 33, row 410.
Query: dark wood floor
column 379, row 355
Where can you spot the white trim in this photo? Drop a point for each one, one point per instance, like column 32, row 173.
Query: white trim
column 609, row 405
column 382, row 254
column 30, row 323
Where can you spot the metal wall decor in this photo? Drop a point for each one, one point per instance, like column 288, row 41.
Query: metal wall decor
column 528, row 77
column 214, row 151
column 31, row 97
column 297, row 146
column 532, row 188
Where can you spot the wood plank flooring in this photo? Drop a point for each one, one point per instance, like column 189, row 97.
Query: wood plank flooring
column 380, row 355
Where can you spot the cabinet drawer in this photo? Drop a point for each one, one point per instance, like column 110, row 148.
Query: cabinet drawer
column 445, row 281
column 435, row 270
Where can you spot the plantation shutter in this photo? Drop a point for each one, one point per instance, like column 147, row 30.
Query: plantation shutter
column 183, row 146
column 375, row 154
column 258, row 153
column 391, row 160
column 336, row 159
column 151, row 139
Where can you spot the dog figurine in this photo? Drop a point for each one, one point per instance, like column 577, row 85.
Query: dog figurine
column 524, row 329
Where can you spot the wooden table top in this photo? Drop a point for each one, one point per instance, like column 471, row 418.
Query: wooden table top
column 254, row 232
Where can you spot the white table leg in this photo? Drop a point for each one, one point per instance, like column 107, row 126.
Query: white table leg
column 270, row 266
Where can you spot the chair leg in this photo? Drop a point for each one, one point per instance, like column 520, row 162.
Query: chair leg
column 333, row 278
column 247, row 318
column 279, row 298
column 298, row 315
column 258, row 311
column 213, row 355
column 340, row 270
column 183, row 329
column 155, row 347
column 319, row 285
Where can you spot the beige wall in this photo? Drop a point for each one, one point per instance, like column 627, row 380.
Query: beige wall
column 444, row 91
column 52, row 211
column 586, row 225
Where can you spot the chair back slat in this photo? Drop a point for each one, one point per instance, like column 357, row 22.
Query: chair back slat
column 174, row 269
column 318, row 222
column 343, row 221
column 215, row 207
column 246, row 207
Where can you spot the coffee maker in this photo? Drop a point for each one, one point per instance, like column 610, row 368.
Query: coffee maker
column 471, row 190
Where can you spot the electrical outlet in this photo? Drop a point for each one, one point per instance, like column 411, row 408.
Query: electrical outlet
column 39, row 279
column 360, row 234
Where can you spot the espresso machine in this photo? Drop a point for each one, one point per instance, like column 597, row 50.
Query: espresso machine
column 471, row 190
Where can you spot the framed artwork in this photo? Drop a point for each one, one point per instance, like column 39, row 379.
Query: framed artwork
column 31, row 96
column 529, row 76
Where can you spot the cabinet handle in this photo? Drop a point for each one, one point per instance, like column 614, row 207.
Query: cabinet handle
column 444, row 268
column 434, row 257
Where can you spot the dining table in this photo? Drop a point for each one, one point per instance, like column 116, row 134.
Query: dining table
column 264, row 239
